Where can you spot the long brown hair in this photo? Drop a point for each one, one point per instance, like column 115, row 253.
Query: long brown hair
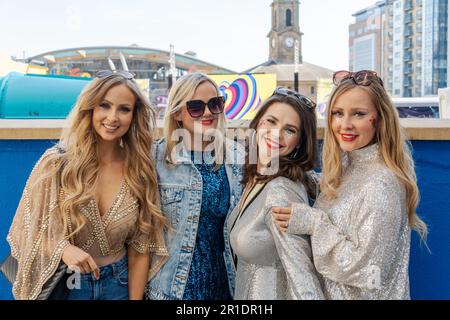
column 292, row 168
column 392, row 143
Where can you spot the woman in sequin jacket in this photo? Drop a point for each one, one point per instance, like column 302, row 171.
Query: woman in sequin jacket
column 270, row 265
column 90, row 201
column 360, row 226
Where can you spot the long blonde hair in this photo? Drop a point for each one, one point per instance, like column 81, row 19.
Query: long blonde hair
column 392, row 143
column 79, row 163
column 182, row 92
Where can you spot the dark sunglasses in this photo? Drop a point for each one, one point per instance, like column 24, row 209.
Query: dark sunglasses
column 304, row 100
column 196, row 108
column 361, row 78
column 107, row 73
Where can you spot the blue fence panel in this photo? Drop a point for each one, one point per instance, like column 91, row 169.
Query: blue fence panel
column 17, row 159
column 429, row 274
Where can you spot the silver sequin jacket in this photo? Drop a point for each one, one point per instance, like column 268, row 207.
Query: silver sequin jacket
column 271, row 265
column 361, row 239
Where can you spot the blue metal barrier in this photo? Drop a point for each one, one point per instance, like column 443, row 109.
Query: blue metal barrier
column 429, row 274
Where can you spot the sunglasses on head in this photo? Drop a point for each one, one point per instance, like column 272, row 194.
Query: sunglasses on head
column 107, row 73
column 304, row 100
column 361, row 78
column 196, row 108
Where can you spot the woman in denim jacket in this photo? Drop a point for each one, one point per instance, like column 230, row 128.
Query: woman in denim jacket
column 199, row 175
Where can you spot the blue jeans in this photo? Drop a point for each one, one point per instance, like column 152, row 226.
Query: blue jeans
column 112, row 285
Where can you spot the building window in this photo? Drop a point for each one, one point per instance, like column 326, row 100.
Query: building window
column 364, row 53
column 313, row 90
column 288, row 18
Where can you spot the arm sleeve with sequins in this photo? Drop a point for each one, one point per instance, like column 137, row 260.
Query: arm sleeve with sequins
column 37, row 236
column 370, row 243
column 294, row 251
column 142, row 242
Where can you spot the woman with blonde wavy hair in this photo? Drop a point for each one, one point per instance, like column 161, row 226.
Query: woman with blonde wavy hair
column 360, row 226
column 199, row 174
column 90, row 201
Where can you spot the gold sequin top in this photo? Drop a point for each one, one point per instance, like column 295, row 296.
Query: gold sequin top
column 361, row 239
column 105, row 237
column 37, row 235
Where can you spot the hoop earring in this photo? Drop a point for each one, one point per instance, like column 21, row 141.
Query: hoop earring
column 295, row 154
column 252, row 138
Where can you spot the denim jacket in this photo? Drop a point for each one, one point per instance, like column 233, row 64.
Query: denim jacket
column 181, row 198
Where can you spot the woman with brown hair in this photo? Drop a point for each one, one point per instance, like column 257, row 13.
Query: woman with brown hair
column 269, row 265
column 91, row 202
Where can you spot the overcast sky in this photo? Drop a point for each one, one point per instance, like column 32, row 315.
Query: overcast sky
column 230, row 33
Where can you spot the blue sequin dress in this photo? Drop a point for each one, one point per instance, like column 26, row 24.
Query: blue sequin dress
column 208, row 276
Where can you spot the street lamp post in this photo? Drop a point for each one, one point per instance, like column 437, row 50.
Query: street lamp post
column 172, row 63
column 296, row 65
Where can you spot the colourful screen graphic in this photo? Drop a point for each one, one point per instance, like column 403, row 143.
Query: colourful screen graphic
column 245, row 93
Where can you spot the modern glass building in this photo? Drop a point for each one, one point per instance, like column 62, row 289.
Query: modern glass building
column 435, row 28
column 365, row 39
column 415, row 42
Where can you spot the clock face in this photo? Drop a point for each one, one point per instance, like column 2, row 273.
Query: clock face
column 289, row 42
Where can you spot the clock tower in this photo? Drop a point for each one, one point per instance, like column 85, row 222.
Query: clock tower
column 285, row 31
